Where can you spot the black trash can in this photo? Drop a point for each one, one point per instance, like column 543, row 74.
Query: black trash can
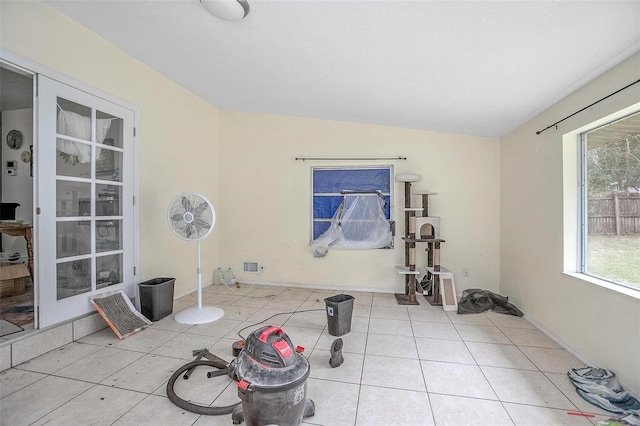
column 156, row 298
column 8, row 211
column 339, row 310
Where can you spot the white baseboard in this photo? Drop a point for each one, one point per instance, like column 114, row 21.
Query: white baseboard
column 550, row 334
column 583, row 358
column 317, row 286
column 184, row 293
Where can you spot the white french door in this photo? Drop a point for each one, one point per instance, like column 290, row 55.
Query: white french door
column 85, row 200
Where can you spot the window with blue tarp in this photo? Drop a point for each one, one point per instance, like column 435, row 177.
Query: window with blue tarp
column 328, row 183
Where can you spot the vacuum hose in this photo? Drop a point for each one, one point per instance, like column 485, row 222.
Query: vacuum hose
column 195, row 408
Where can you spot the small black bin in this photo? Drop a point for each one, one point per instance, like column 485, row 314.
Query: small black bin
column 339, row 311
column 8, row 211
column 156, row 298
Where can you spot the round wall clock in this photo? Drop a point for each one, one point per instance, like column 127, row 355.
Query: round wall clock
column 14, row 139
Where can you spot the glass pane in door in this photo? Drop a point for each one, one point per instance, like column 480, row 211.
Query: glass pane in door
column 73, row 159
column 108, row 270
column 74, row 238
column 109, row 165
column 109, row 136
column 108, row 200
column 73, row 119
column 73, row 278
column 73, row 198
column 108, row 235
column 114, row 135
column 74, row 151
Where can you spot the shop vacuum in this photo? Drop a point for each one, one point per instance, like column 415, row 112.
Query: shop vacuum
column 271, row 376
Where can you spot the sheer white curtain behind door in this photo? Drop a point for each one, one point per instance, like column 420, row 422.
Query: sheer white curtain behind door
column 79, row 126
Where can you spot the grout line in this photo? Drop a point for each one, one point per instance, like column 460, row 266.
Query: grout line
column 424, row 381
column 364, row 360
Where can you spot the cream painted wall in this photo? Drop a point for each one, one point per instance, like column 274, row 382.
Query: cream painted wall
column 601, row 325
column 265, row 199
column 178, row 133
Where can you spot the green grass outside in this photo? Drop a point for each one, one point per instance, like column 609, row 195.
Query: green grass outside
column 615, row 258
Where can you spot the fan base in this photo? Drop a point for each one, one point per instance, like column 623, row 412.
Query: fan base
column 199, row 316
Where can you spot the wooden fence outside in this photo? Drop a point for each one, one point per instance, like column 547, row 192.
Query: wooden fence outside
column 617, row 214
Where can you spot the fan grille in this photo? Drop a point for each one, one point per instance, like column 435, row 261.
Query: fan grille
column 191, row 216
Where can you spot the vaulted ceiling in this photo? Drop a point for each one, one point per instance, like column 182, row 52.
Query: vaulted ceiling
column 470, row 67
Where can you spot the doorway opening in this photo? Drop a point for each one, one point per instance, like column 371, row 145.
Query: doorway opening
column 17, row 295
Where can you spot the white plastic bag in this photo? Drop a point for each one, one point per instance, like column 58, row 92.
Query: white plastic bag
column 359, row 223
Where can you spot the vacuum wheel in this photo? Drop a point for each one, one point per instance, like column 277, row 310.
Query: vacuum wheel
column 237, row 347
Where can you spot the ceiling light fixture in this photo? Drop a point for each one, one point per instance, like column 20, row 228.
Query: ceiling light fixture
column 227, row 10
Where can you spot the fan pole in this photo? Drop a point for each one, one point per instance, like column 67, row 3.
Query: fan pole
column 199, row 314
column 199, row 273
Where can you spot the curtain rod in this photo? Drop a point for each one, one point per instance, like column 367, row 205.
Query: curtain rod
column 348, row 158
column 588, row 106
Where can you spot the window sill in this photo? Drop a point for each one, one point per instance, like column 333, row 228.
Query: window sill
column 606, row 284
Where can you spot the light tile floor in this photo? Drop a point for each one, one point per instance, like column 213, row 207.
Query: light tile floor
column 403, row 365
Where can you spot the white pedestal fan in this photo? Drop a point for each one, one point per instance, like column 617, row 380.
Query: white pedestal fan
column 192, row 217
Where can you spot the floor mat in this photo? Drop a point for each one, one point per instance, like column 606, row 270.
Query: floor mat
column 24, row 318
column 119, row 313
column 19, row 310
column 7, row 328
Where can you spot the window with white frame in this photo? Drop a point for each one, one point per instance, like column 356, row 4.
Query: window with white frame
column 610, row 202
column 328, row 184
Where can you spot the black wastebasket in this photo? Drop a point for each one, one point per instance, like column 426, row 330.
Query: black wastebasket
column 339, row 310
column 156, row 298
column 8, row 211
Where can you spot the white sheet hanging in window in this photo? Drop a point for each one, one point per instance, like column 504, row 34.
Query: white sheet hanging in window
column 359, row 223
column 79, row 126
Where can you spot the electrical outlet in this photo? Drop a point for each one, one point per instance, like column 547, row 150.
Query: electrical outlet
column 465, row 272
